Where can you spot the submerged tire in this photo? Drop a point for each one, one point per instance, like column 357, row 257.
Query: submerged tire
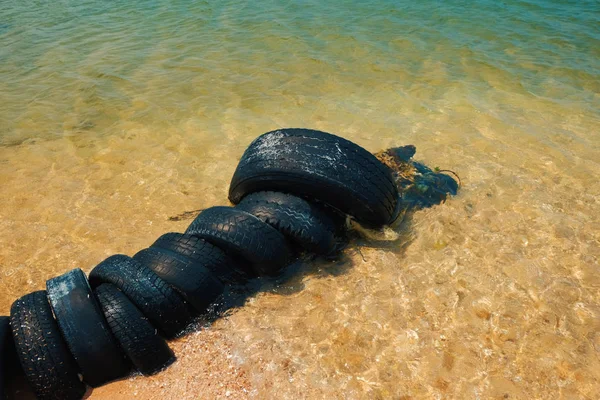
column 194, row 282
column 301, row 222
column 243, row 235
column 85, row 329
column 148, row 352
column 49, row 367
column 319, row 166
column 163, row 306
column 203, row 253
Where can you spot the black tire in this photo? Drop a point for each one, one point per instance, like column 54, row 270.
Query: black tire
column 7, row 354
column 244, row 236
column 142, row 344
column 84, row 328
column 163, row 306
column 320, row 166
column 194, row 282
column 204, row 253
column 49, row 367
column 4, row 336
column 301, row 222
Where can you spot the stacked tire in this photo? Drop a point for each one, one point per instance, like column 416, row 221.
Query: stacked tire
column 322, row 168
column 292, row 191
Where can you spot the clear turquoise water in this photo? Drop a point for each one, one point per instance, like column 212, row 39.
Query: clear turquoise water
column 116, row 115
column 90, row 60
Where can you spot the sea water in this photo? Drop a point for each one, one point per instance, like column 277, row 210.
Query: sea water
column 117, row 118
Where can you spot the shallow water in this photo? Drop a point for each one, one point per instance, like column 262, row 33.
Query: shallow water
column 116, row 117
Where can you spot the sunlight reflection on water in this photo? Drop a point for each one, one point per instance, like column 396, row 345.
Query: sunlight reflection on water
column 117, row 116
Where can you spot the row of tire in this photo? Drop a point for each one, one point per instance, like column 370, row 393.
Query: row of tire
column 292, row 190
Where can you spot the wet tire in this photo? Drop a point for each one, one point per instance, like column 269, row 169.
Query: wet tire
column 194, row 282
column 301, row 222
column 4, row 335
column 85, row 330
column 244, row 236
column 163, row 306
column 7, row 353
column 320, row 166
column 140, row 341
column 49, row 367
column 203, row 253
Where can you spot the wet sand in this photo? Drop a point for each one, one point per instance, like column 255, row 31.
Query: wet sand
column 493, row 293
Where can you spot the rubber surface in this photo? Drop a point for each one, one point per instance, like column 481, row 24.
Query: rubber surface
column 163, row 306
column 49, row 367
column 204, row 253
column 301, row 222
column 320, row 166
column 6, row 352
column 148, row 352
column 244, row 235
column 85, row 330
column 194, row 282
